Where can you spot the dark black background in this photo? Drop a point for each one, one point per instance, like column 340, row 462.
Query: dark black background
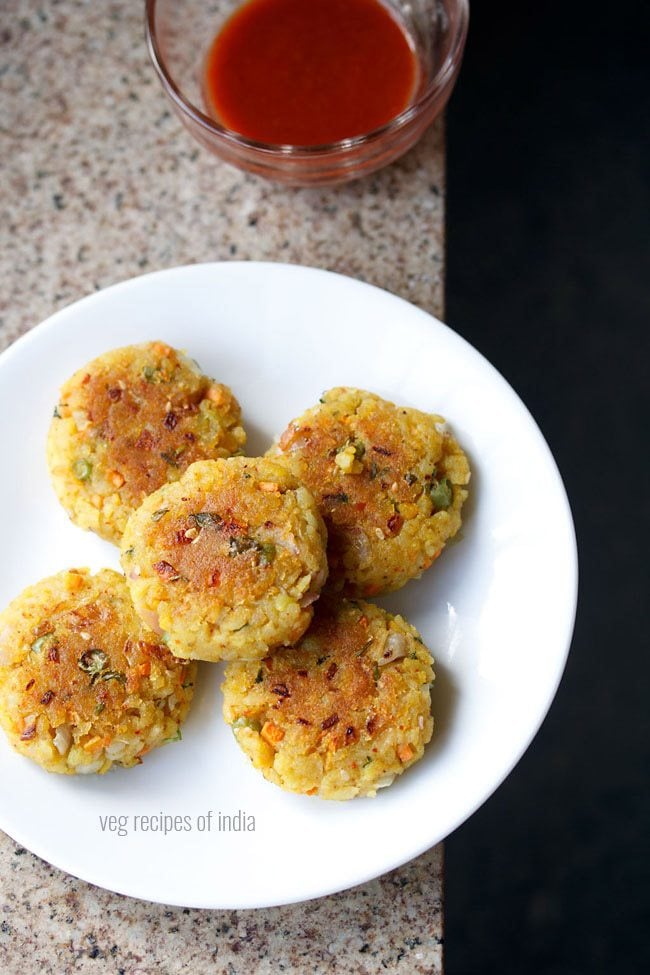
column 548, row 271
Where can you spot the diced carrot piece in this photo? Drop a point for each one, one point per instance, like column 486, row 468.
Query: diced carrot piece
column 271, row 733
column 432, row 559
column 405, row 753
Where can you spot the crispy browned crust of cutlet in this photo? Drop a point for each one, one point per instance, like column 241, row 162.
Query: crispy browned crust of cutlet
column 83, row 683
column 228, row 560
column 389, row 482
column 341, row 713
column 130, row 421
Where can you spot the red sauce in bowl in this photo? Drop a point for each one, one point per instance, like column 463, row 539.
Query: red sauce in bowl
column 309, row 72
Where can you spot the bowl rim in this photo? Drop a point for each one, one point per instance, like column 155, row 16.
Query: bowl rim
column 437, row 84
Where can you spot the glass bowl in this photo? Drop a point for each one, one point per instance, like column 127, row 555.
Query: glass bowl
column 179, row 33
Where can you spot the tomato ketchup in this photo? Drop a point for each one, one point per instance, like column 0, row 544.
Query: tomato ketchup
column 309, row 72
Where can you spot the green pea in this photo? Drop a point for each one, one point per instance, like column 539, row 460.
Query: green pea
column 246, row 723
column 82, row 469
column 267, row 552
column 441, row 494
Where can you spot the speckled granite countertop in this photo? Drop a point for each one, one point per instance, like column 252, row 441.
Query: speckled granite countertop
column 98, row 183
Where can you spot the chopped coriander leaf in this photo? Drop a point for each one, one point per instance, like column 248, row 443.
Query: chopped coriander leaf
column 172, row 457
column 240, row 543
column 157, row 515
column 93, row 662
column 113, row 675
column 205, row 518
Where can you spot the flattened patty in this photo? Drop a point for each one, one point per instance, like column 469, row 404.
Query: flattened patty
column 389, row 482
column 130, row 421
column 83, row 684
column 228, row 560
column 341, row 713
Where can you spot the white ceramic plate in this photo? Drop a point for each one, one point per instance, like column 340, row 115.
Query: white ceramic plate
column 497, row 609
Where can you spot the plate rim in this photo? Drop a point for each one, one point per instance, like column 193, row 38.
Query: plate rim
column 427, row 319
